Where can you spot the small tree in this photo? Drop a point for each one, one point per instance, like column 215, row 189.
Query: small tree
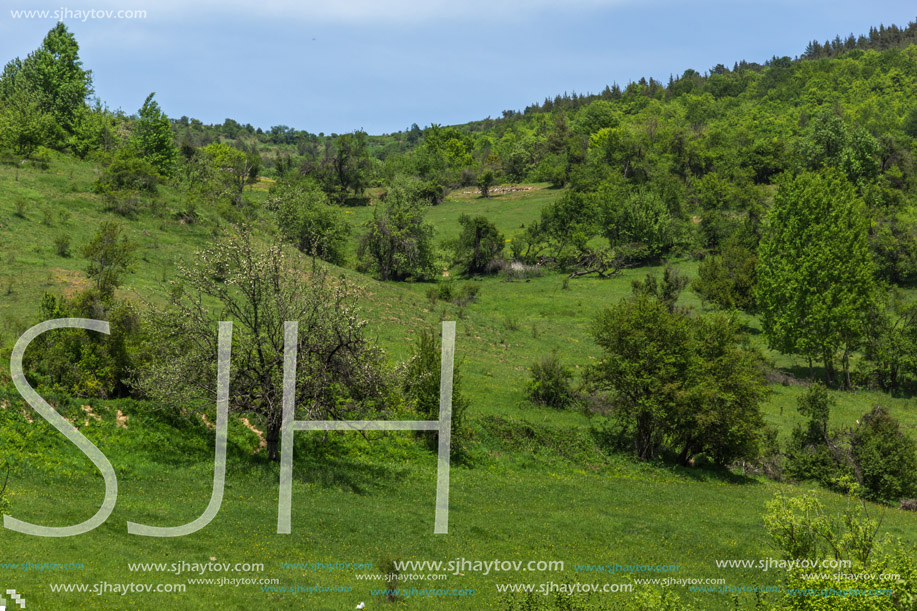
column 680, row 384
column 307, row 220
column 23, row 125
column 111, row 256
column 421, row 385
column 340, row 373
column 729, row 279
column 646, row 359
column 398, row 243
column 801, row 528
column 346, row 167
column 641, row 219
column 153, row 137
column 485, row 182
column 886, row 458
column 54, row 74
column 478, row 245
column 233, row 168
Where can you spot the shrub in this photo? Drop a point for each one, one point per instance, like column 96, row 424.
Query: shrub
column 478, row 245
column 62, row 245
column 887, row 459
column 128, row 172
column 876, row 454
column 812, row 449
column 421, row 380
column 550, row 383
column 447, row 290
column 682, row 385
column 431, row 192
column 803, row 530
column 308, row 221
column 729, row 280
column 398, row 243
column 467, row 293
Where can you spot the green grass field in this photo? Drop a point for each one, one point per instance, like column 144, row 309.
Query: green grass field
column 541, row 487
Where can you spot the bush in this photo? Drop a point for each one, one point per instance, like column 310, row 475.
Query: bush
column 641, row 221
column 887, row 459
column 308, row 221
column 681, row 385
column 446, row 290
column 813, row 451
column 421, row 380
column 802, row 530
column 876, row 455
column 729, row 280
column 398, row 243
column 128, row 172
column 550, row 383
column 431, row 192
column 62, row 245
column 478, row 245
column 75, row 361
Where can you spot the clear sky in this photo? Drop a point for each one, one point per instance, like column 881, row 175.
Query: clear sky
column 339, row 65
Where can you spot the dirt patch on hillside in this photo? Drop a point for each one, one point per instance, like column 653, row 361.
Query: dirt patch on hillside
column 70, row 281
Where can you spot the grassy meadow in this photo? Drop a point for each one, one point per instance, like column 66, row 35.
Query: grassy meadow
column 542, row 487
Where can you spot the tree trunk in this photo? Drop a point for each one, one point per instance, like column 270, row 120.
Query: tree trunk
column 273, row 442
column 684, row 458
column 847, row 384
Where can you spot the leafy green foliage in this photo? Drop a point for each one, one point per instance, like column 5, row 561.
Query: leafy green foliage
column 24, row 127
column 886, row 458
column 111, row 256
column 53, row 77
column 339, row 372
column 803, row 529
column 830, row 143
column 444, row 154
column 815, row 453
column 729, row 279
column 307, row 220
column 478, row 245
column 398, row 243
column 549, row 383
column 667, row 291
column 153, row 137
column 875, row 455
column 230, row 169
column 345, row 169
column 890, row 350
column 421, row 383
column 640, row 220
column 128, row 171
column 679, row 384
column 562, row 232
column 816, row 276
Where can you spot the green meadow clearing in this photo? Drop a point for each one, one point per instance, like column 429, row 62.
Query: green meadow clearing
column 541, row 485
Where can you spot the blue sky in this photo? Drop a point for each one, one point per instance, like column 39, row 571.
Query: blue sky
column 340, row 65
